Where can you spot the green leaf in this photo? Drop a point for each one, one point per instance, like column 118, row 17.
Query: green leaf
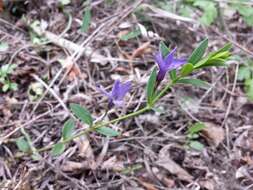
column 68, row 129
column 196, row 145
column 8, row 68
column 131, row 35
column 3, row 46
column 35, row 156
column 198, row 53
column 58, row 149
column 249, row 88
column 22, row 144
column 164, row 49
column 13, row 86
column 107, row 131
column 186, row 69
column 196, row 128
column 86, row 20
column 226, row 47
column 81, row 113
column 65, row 2
column 245, row 11
column 5, row 87
column 217, row 62
column 173, row 74
column 151, row 86
column 244, row 73
column 209, row 9
column 194, row 82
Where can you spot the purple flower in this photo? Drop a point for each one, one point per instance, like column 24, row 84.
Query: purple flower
column 117, row 94
column 167, row 64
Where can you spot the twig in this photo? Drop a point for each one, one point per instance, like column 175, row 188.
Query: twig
column 52, row 92
column 233, row 42
column 230, row 105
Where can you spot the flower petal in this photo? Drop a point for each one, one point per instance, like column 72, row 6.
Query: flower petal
column 176, row 63
column 115, row 89
column 159, row 60
column 169, row 58
column 118, row 103
column 124, row 88
column 102, row 90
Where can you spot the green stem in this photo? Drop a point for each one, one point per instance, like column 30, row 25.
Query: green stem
column 163, row 92
column 98, row 125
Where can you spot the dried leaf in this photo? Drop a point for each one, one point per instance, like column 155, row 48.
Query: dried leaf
column 141, row 50
column 167, row 163
column 70, row 166
column 1, row 6
column 113, row 164
column 241, row 172
column 85, row 150
column 148, row 186
column 72, row 69
column 75, row 72
column 174, row 168
column 214, row 134
column 207, row 184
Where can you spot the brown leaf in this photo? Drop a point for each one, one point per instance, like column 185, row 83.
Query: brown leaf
column 85, row 150
column 112, row 164
column 1, row 6
column 148, row 186
column 241, row 172
column 207, row 184
column 214, row 134
column 141, row 50
column 174, row 168
column 170, row 183
column 75, row 73
column 72, row 69
column 70, row 166
column 167, row 163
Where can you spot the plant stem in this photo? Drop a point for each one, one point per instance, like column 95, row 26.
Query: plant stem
column 98, row 125
column 163, row 92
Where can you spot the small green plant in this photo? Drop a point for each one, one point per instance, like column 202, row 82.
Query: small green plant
column 193, row 135
column 245, row 74
column 5, row 72
column 86, row 20
column 179, row 70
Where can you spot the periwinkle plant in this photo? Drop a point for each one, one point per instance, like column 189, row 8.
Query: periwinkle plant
column 179, row 71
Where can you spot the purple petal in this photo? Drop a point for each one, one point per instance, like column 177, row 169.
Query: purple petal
column 119, row 90
column 176, row 63
column 118, row 103
column 102, row 90
column 161, row 74
column 115, row 89
column 124, row 88
column 169, row 58
column 159, row 60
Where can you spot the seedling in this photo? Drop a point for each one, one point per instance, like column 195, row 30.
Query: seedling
column 193, row 135
column 5, row 72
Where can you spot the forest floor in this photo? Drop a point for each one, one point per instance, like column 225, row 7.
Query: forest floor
column 58, row 63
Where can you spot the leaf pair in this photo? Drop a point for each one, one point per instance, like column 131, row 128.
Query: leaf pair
column 67, row 133
column 68, row 129
column 193, row 135
column 217, row 58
